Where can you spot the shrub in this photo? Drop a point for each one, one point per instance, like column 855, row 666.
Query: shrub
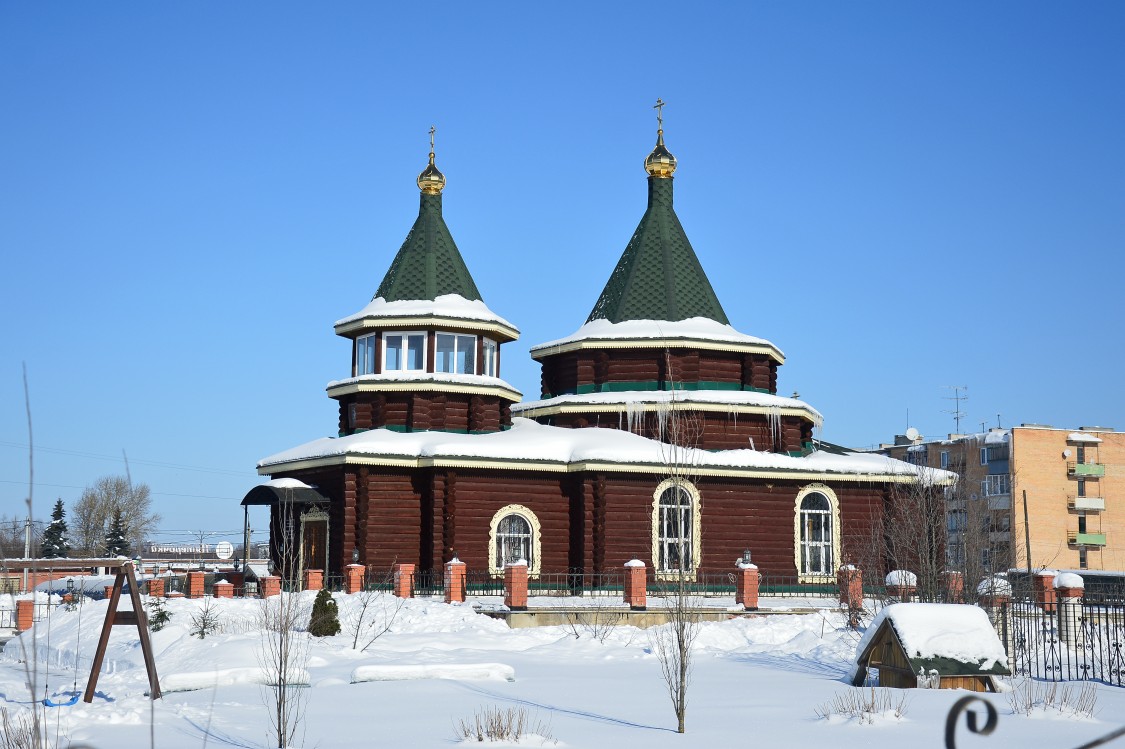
column 498, row 724
column 864, row 704
column 325, row 620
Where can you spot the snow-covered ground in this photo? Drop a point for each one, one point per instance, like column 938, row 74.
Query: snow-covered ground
column 756, row 681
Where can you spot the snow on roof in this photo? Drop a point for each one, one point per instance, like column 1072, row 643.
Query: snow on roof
column 724, row 397
column 413, row 376
column 529, row 441
column 446, row 305
column 941, row 630
column 286, row 484
column 1082, row 437
column 694, row 328
column 997, row 436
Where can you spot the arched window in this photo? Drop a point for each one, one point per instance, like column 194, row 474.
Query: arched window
column 817, row 540
column 514, row 535
column 675, row 522
column 513, row 540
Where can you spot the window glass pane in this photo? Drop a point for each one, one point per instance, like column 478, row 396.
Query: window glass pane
column 415, row 355
column 489, row 357
column 445, row 351
column 361, row 356
column 393, row 358
column 467, row 354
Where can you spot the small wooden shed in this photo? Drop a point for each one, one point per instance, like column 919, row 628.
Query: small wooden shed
column 950, row 646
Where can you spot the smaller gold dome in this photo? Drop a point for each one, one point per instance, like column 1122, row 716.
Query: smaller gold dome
column 431, row 181
column 660, row 163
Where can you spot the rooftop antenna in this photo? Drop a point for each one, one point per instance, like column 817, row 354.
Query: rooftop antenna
column 982, row 425
column 997, row 421
column 957, row 399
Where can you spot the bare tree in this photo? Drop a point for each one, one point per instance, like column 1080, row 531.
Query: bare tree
column 95, row 509
column 678, row 507
column 284, row 651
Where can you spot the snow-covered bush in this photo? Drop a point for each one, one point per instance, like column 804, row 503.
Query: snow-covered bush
column 1030, row 695
column 207, row 621
column 901, row 578
column 994, row 586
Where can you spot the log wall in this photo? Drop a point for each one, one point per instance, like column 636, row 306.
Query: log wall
column 417, row 411
column 594, row 370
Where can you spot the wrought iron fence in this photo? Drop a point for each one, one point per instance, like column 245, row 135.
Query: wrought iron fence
column 1067, row 641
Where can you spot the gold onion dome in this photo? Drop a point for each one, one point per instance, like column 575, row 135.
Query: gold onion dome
column 661, row 162
column 431, row 181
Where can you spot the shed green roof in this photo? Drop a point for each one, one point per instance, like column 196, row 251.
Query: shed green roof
column 658, row 276
column 428, row 264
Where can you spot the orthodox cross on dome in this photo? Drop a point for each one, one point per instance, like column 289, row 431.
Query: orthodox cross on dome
column 659, row 107
column 432, row 131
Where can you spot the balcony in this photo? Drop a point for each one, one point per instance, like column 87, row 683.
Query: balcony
column 1096, row 504
column 1085, row 539
column 999, row 537
column 1086, row 470
column 1003, row 502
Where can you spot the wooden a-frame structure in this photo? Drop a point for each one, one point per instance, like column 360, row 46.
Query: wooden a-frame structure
column 124, row 572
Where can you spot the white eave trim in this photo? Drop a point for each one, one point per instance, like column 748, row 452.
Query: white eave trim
column 420, row 386
column 531, row 411
column 671, row 342
column 502, row 331
column 579, row 467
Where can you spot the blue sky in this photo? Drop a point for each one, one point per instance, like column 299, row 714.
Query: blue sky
column 902, row 196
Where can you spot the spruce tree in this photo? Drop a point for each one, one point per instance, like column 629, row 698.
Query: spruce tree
column 115, row 543
column 56, row 542
column 325, row 620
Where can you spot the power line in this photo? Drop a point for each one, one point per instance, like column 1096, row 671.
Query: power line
column 117, row 459
column 160, row 494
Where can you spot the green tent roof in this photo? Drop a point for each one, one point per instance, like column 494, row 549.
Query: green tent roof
column 658, row 276
column 428, row 264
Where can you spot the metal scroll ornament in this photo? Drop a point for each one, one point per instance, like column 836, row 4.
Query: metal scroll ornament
column 964, row 706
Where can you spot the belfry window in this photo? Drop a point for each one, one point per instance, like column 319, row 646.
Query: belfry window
column 456, row 354
column 404, row 352
column 365, row 355
column 490, row 357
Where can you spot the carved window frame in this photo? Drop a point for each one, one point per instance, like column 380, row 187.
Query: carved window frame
column 536, row 561
column 696, row 535
column 834, row 519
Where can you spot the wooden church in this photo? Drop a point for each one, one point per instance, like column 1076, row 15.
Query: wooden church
column 658, row 433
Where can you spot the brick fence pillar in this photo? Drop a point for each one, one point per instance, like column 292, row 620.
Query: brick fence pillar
column 314, row 579
column 636, row 585
column 195, row 584
column 108, row 590
column 353, row 578
column 156, row 587
column 271, row 586
column 849, row 579
column 746, row 585
column 953, row 586
column 25, row 614
column 454, row 581
column 404, row 580
column 515, row 586
column 223, row 589
column 1044, row 584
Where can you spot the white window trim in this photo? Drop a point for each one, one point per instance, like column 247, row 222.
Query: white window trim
column 404, row 333
column 536, row 560
column 696, row 540
column 369, row 341
column 834, row 504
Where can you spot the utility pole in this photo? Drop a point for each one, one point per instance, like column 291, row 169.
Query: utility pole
column 26, row 548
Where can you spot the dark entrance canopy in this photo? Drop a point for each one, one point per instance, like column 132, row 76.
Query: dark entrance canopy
column 270, row 494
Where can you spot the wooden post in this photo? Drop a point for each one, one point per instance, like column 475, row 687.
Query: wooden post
column 114, row 617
